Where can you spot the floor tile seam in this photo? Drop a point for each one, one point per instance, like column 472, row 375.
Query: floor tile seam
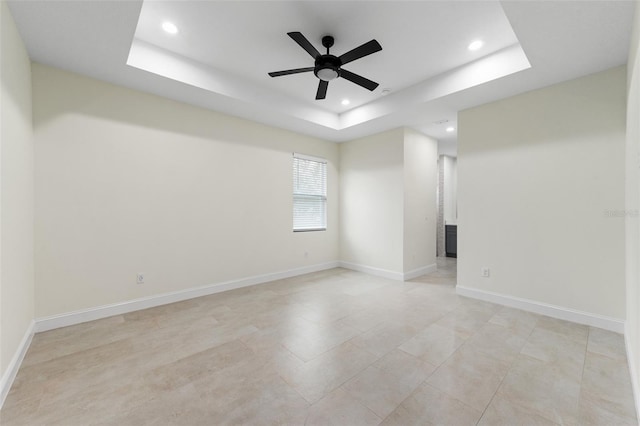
column 342, row 387
column 615, row 359
column 34, row 364
column 584, row 365
column 286, row 349
column 444, row 391
column 449, row 357
column 40, row 406
column 418, row 358
column 564, row 335
column 294, row 389
column 543, row 415
column 103, row 364
column 492, row 356
column 45, row 402
column 55, row 341
column 327, row 350
column 455, row 398
column 342, row 383
column 528, row 410
column 515, row 358
column 332, row 323
column 291, row 385
column 582, row 390
column 407, row 397
column 11, row 404
column 167, row 365
column 435, row 322
column 604, row 408
column 453, row 329
column 423, row 382
column 397, row 406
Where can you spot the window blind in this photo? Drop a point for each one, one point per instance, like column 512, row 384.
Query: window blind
column 309, row 193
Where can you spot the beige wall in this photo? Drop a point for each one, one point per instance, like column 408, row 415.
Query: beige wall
column 540, row 188
column 128, row 182
column 450, row 188
column 388, row 208
column 16, row 192
column 632, row 192
column 420, row 204
column 371, row 201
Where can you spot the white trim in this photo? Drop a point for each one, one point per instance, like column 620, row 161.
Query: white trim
column 392, row 275
column 309, row 157
column 77, row 317
column 12, row 369
column 418, row 272
column 635, row 385
column 560, row 312
column 385, row 273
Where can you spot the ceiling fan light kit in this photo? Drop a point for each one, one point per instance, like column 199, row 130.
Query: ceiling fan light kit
column 329, row 67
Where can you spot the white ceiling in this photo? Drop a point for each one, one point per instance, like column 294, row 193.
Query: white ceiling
column 224, row 49
column 232, row 37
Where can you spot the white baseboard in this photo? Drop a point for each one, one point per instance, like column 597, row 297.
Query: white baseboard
column 635, row 383
column 384, row 273
column 91, row 314
column 12, row 370
column 567, row 314
column 420, row 272
column 392, row 275
column 85, row 315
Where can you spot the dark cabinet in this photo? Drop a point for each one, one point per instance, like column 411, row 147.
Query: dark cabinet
column 451, row 240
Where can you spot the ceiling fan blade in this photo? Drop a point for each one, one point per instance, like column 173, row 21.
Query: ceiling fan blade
column 322, row 89
column 304, row 43
column 361, row 51
column 288, row 72
column 358, row 79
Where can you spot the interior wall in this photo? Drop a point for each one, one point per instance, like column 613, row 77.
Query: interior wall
column 440, row 225
column 16, row 192
column 130, row 183
column 632, row 208
column 388, row 206
column 372, row 201
column 450, row 187
column 540, row 188
column 447, row 198
column 420, row 206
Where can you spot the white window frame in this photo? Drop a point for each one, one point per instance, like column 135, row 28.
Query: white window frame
column 297, row 227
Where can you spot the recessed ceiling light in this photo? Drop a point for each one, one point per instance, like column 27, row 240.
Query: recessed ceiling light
column 476, row 44
column 170, row 27
column 385, row 91
column 450, row 129
column 345, row 102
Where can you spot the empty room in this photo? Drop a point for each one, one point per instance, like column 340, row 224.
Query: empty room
column 319, row 212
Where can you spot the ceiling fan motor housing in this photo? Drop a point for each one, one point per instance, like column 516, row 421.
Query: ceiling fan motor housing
column 327, row 67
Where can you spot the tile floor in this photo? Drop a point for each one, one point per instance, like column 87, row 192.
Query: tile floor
column 334, row 347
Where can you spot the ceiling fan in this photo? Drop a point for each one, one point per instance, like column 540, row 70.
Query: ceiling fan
column 329, row 67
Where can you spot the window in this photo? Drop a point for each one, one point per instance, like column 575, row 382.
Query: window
column 309, row 193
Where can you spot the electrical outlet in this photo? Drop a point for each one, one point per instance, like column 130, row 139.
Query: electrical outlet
column 485, row 271
column 140, row 278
